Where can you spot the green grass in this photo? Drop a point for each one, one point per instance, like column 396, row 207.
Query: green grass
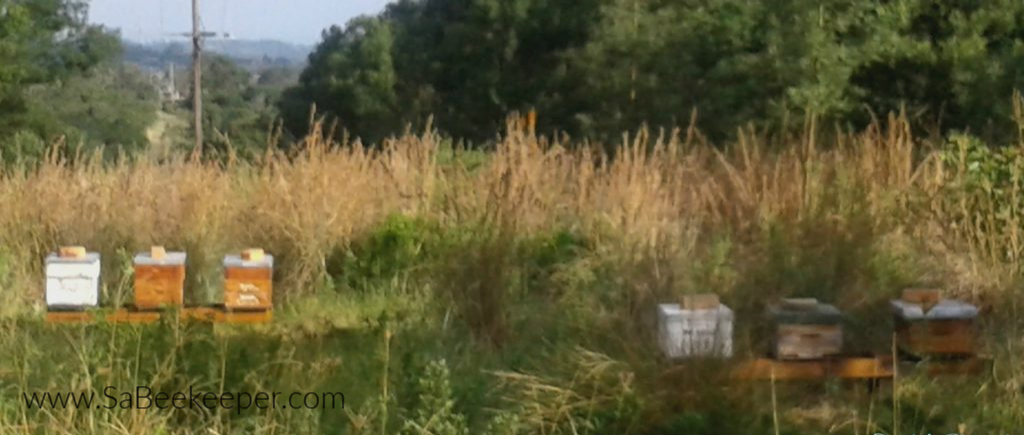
column 513, row 292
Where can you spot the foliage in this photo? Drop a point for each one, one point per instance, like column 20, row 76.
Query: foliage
column 985, row 191
column 109, row 105
column 395, row 247
column 600, row 67
column 350, row 77
column 593, row 394
column 435, row 413
column 43, row 41
column 238, row 115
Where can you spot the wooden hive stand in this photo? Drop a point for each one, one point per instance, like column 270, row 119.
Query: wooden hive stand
column 864, row 367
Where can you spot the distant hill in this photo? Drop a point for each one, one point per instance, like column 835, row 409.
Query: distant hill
column 253, row 55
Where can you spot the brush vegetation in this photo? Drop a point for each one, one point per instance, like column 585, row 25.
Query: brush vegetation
column 512, row 290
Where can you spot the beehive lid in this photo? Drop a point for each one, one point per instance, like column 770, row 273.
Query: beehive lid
column 721, row 311
column 707, row 301
column 239, row 261
column 945, row 309
column 158, row 257
column 807, row 311
column 83, row 258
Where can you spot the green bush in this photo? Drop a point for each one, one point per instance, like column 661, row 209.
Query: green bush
column 983, row 196
column 435, row 413
column 547, row 255
column 398, row 245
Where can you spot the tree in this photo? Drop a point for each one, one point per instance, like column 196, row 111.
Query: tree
column 235, row 112
column 42, row 42
column 600, row 67
column 111, row 105
column 468, row 63
column 350, row 78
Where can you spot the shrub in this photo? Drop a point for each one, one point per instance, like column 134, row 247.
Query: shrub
column 396, row 246
column 435, row 414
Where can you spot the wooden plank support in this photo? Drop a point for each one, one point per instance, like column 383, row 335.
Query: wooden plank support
column 219, row 315
column 844, row 368
column 855, row 368
column 63, row 317
column 246, row 317
column 130, row 315
column 952, row 367
column 125, row 315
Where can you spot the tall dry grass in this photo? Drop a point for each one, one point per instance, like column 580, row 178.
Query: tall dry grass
column 845, row 216
column 654, row 197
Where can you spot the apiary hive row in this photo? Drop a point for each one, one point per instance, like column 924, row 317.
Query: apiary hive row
column 73, row 280
column 807, row 330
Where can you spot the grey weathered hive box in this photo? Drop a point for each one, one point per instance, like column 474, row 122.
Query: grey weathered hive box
column 701, row 326
column 926, row 324
column 806, row 329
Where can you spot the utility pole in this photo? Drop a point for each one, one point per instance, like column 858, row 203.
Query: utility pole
column 198, row 35
column 197, row 78
column 632, row 69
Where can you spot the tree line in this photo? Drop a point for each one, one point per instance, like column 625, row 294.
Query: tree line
column 589, row 68
column 61, row 82
column 595, row 68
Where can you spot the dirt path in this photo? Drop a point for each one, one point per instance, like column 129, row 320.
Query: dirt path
column 166, row 133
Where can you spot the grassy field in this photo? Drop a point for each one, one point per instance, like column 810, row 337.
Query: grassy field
column 512, row 290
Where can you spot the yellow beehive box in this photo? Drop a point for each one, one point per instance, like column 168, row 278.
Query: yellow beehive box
column 159, row 279
column 248, row 280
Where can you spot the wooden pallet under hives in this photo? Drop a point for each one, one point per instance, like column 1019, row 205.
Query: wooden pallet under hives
column 860, row 367
column 210, row 314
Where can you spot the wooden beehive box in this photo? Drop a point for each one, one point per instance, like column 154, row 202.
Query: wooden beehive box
column 72, row 279
column 248, row 281
column 806, row 329
column 159, row 279
column 699, row 326
column 928, row 325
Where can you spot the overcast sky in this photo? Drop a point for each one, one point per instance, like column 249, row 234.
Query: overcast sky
column 298, row 21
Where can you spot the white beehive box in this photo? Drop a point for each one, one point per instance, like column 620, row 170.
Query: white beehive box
column 72, row 282
column 685, row 333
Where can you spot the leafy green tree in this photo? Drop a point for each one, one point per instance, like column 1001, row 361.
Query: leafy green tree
column 600, row 67
column 42, row 41
column 110, row 106
column 350, row 78
column 236, row 113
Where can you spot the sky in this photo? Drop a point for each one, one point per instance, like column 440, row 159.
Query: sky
column 295, row 21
